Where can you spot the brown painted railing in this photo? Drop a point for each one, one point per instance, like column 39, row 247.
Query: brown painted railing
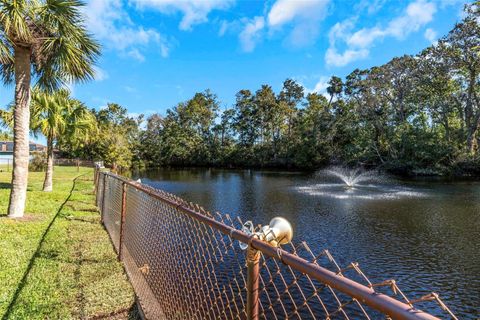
column 186, row 263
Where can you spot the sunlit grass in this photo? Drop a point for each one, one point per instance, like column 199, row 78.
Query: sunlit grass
column 68, row 270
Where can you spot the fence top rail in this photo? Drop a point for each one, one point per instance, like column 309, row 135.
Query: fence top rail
column 362, row 293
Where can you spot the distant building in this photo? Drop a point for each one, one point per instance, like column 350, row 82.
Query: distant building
column 6, row 149
column 37, row 147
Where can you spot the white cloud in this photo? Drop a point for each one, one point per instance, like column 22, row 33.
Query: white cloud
column 130, row 89
column 446, row 3
column 341, row 32
column 100, row 74
column 135, row 54
column 284, row 11
column 111, row 24
column 304, row 15
column 430, row 35
column 365, row 37
column 333, row 57
column 193, row 11
column 418, row 14
column 250, row 34
column 371, row 6
column 321, row 85
column 231, row 27
column 223, row 28
column 358, row 44
column 70, row 87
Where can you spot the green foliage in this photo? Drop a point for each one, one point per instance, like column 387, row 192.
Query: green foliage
column 61, row 118
column 38, row 162
column 58, row 115
column 114, row 139
column 186, row 136
column 5, row 135
column 413, row 114
column 53, row 30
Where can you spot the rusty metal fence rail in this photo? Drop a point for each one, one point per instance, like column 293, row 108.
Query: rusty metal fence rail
column 186, row 263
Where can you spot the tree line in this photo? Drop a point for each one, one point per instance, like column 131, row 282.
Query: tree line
column 415, row 114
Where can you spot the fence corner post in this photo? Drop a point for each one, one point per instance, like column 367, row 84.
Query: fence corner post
column 253, row 281
column 122, row 220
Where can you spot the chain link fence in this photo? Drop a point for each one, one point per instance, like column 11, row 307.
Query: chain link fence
column 186, row 263
column 73, row 162
column 6, row 164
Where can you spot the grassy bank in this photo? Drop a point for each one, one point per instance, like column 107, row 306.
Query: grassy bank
column 58, row 262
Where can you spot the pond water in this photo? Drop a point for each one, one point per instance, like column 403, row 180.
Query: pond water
column 424, row 233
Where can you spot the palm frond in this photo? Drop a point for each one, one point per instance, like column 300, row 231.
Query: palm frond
column 62, row 50
column 6, row 118
column 58, row 116
column 70, row 52
column 15, row 17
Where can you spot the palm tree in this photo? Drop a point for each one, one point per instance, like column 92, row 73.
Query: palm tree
column 335, row 87
column 48, row 38
column 56, row 115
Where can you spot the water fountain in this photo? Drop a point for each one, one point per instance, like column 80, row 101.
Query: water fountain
column 356, row 183
column 351, row 177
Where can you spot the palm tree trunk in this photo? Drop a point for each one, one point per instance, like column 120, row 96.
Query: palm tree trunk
column 47, row 183
column 21, row 123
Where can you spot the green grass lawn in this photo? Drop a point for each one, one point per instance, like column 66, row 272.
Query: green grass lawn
column 58, row 261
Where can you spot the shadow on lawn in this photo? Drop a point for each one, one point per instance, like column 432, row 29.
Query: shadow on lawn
column 5, row 185
column 36, row 254
column 131, row 313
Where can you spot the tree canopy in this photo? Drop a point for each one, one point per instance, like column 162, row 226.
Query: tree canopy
column 414, row 114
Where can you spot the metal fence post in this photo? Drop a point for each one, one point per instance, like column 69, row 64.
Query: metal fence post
column 96, row 179
column 122, row 219
column 103, row 196
column 253, row 275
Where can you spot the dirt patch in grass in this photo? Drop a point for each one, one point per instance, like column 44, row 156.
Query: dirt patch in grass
column 26, row 218
column 131, row 313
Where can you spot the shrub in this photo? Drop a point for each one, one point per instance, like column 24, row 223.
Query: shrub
column 38, row 162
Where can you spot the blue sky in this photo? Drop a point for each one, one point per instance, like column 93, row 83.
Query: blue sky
column 159, row 52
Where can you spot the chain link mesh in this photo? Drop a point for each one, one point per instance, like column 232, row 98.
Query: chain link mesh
column 112, row 209
column 183, row 268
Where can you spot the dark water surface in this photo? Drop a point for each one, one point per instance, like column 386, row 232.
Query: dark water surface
column 424, row 234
